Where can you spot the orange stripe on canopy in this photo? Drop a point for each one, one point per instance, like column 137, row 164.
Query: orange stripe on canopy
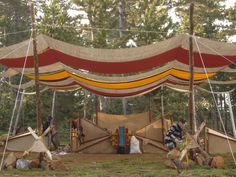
column 122, row 85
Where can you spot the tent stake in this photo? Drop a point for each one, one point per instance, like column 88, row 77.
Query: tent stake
column 191, row 69
column 36, row 71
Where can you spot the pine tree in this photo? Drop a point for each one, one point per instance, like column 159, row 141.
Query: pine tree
column 150, row 21
column 14, row 18
column 57, row 23
column 208, row 18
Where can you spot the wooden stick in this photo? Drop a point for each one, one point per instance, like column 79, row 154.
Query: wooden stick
column 93, row 143
column 153, row 143
column 193, row 140
column 191, row 69
column 36, row 71
column 33, row 133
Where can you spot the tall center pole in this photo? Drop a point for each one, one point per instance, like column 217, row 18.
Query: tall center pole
column 191, row 69
column 36, row 72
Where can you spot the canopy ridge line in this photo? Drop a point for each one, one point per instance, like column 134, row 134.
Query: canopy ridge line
column 68, row 90
column 185, row 90
column 223, row 92
column 22, row 86
column 15, row 105
column 23, row 45
column 33, row 93
column 218, row 111
column 219, row 54
column 230, row 82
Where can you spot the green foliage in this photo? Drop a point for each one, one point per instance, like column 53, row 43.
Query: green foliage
column 14, row 17
column 231, row 18
column 144, row 22
column 57, row 23
column 207, row 15
column 5, row 106
column 150, row 21
column 102, row 15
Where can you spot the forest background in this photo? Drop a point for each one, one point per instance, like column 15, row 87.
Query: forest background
column 115, row 24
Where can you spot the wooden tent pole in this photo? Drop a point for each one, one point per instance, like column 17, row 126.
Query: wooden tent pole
column 149, row 108
column 162, row 113
column 191, row 69
column 53, row 103
column 96, row 109
column 36, row 71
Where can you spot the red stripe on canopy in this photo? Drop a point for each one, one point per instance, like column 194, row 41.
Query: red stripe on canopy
column 124, row 94
column 51, row 56
column 113, row 94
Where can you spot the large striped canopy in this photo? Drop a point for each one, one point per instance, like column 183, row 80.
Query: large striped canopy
column 117, row 72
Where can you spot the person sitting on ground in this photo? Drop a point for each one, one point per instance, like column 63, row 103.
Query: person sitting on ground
column 47, row 123
column 81, row 135
column 54, row 139
column 76, row 124
column 174, row 134
column 172, row 138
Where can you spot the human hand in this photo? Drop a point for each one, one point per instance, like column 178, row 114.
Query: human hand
column 176, row 140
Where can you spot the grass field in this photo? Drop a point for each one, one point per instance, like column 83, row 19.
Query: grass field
column 114, row 165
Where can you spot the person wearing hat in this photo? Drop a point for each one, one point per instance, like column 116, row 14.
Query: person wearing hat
column 174, row 134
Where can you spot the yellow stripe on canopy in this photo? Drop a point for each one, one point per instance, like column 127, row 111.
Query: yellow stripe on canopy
column 122, row 85
column 185, row 75
column 52, row 76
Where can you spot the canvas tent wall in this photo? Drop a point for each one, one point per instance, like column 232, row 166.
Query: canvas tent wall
column 216, row 142
column 96, row 140
column 20, row 142
column 97, row 137
column 153, row 131
column 92, row 131
column 132, row 121
column 151, row 136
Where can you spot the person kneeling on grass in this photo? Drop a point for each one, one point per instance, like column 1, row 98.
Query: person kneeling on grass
column 175, row 134
column 172, row 140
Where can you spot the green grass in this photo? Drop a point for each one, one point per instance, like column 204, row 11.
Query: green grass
column 3, row 132
column 122, row 166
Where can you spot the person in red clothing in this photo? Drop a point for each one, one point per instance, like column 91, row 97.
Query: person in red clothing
column 76, row 124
